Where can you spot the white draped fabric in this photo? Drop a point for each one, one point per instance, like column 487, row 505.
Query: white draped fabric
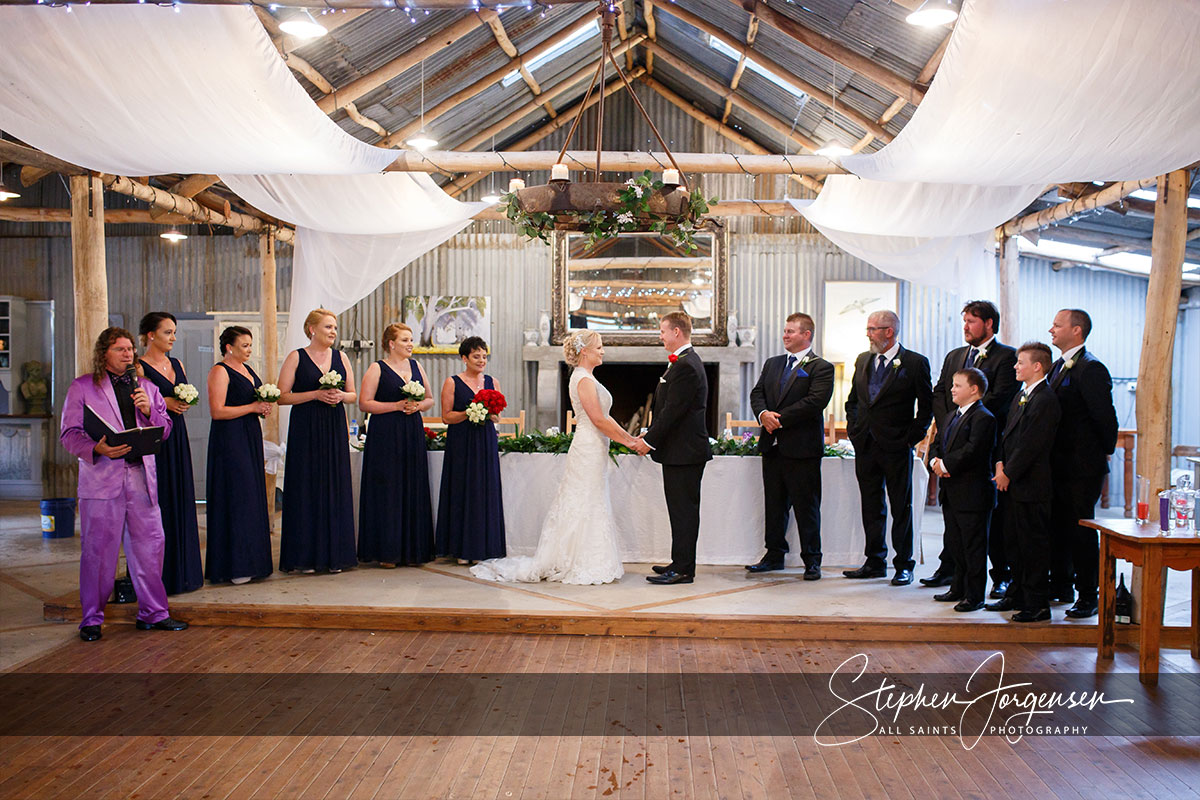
column 147, row 90
column 1029, row 93
column 353, row 232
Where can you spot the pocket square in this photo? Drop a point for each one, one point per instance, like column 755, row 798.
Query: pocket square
column 800, row 373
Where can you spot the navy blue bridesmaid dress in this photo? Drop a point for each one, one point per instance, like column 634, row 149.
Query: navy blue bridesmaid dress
column 177, row 495
column 239, row 528
column 395, row 519
column 470, row 521
column 318, row 501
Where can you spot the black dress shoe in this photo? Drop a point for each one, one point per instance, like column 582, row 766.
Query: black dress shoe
column 1041, row 615
column 1003, row 604
column 1083, row 609
column 903, row 577
column 812, row 573
column 948, row 597
column 669, row 578
column 969, row 605
column 938, row 579
column 166, row 624
column 999, row 589
column 865, row 572
column 659, row 569
column 765, row 566
column 90, row 633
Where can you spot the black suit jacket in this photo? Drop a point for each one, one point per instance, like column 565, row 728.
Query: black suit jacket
column 900, row 415
column 800, row 405
column 1026, row 445
column 997, row 366
column 678, row 432
column 1088, row 432
column 967, row 456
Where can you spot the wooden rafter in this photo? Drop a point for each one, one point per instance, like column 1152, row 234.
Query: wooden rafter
column 751, row 35
column 741, row 101
column 397, row 138
column 651, row 31
column 402, row 63
column 780, row 72
column 497, row 25
column 924, row 78
column 856, row 62
column 740, row 139
column 1104, row 197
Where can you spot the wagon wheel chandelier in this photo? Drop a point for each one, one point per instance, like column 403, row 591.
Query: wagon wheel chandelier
column 604, row 209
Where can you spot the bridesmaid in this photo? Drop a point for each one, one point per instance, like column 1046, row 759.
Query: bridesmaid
column 318, row 502
column 239, row 527
column 181, row 570
column 395, row 520
column 470, row 521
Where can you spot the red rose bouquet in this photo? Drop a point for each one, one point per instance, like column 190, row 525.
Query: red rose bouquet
column 492, row 400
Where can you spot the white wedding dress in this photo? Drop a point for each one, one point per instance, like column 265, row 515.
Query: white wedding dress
column 578, row 542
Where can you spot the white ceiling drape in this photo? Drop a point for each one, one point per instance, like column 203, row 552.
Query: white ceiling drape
column 1029, row 93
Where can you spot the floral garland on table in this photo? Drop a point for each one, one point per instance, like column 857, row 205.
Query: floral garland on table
column 631, row 215
column 553, row 441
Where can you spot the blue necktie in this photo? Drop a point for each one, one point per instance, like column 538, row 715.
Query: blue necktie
column 1057, row 367
column 970, row 358
column 787, row 372
column 875, row 383
column 958, row 415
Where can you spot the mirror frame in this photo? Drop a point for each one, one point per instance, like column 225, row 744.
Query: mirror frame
column 718, row 337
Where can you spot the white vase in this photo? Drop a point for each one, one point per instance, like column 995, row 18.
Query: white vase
column 731, row 327
column 746, row 335
column 543, row 328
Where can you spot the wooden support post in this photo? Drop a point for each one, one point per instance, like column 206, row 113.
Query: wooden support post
column 88, row 268
column 270, row 346
column 1158, row 336
column 1008, row 271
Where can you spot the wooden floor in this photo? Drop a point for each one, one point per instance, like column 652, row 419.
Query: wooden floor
column 556, row 766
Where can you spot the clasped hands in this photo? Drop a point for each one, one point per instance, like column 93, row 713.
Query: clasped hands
column 330, row 396
column 639, row 446
column 408, row 406
column 771, row 421
column 939, row 468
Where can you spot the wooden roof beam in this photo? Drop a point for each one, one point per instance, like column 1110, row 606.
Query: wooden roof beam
column 398, row 137
column 816, row 93
column 743, row 141
column 1048, row 216
column 836, row 51
column 410, row 58
column 726, row 208
column 751, row 35
column 924, row 78
column 749, row 106
column 651, row 31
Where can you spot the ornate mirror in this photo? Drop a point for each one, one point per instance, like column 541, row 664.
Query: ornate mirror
column 623, row 286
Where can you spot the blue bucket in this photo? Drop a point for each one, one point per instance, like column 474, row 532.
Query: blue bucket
column 58, row 518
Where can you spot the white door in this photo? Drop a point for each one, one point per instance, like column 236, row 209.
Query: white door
column 194, row 347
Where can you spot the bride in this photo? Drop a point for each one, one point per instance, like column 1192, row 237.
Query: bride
column 578, row 542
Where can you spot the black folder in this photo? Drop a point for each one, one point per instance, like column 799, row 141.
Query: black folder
column 142, row 441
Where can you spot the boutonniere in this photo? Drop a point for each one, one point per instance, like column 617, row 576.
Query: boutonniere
column 804, row 361
column 1068, row 364
column 672, row 359
column 1024, row 399
column 981, row 356
column 895, row 363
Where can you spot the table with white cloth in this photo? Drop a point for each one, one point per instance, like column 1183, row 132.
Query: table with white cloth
column 731, row 507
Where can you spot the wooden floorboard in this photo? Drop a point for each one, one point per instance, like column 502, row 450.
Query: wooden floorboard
column 564, row 761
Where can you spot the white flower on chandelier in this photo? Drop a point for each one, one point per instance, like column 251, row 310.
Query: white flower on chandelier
column 625, row 219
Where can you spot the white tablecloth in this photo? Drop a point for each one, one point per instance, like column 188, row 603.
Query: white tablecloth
column 731, row 507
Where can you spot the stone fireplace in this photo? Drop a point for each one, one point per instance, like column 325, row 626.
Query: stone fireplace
column 631, row 374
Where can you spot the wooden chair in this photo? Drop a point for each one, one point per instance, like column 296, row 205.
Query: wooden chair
column 923, row 446
column 518, row 420
column 570, row 426
column 731, row 423
column 434, row 423
column 834, row 431
column 1192, row 454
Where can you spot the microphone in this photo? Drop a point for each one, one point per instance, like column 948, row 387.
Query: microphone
column 131, row 374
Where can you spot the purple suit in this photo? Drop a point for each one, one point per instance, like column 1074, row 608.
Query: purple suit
column 116, row 497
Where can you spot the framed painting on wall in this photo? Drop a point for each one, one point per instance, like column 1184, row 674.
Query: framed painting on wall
column 847, row 306
column 440, row 323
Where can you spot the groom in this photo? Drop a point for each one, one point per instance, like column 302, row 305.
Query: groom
column 678, row 439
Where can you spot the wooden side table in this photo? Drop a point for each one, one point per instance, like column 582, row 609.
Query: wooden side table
column 1146, row 547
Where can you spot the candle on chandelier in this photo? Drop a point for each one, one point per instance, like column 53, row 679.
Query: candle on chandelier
column 516, row 185
column 670, row 177
column 559, row 173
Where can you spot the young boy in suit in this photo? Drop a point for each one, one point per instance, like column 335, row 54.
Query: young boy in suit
column 1024, row 479
column 962, row 458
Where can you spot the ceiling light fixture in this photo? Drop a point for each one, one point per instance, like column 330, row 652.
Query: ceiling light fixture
column 932, row 13
column 300, row 23
column 173, row 235
column 422, row 141
column 832, row 147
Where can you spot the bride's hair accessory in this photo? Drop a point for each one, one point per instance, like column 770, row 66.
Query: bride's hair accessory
column 578, row 344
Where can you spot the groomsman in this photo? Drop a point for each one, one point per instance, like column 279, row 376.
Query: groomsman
column 118, row 491
column 887, row 412
column 1024, row 480
column 983, row 351
column 789, row 402
column 1085, row 439
column 961, row 456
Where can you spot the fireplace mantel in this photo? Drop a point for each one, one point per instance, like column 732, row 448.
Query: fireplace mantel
column 543, row 375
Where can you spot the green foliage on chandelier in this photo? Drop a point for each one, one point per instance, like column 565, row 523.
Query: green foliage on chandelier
column 632, row 215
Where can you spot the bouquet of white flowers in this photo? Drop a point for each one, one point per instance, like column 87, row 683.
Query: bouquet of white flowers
column 476, row 413
column 267, row 393
column 413, row 391
column 331, row 380
column 186, row 393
